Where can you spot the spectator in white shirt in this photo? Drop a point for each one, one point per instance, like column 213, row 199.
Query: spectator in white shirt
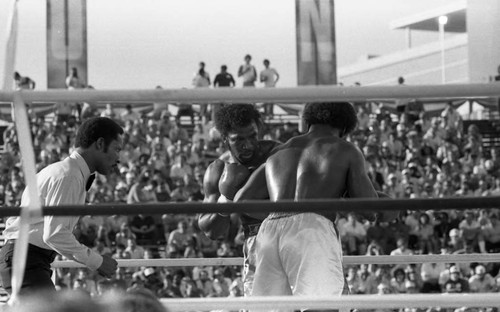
column 355, row 235
column 129, row 114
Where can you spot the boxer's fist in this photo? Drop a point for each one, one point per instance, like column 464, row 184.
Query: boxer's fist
column 232, row 179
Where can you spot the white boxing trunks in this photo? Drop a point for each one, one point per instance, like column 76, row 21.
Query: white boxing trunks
column 298, row 254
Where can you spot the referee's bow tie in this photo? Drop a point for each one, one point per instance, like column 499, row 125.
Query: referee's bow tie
column 89, row 182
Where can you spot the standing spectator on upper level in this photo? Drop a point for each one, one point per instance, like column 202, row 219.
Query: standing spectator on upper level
column 73, row 81
column 202, row 80
column 224, row 79
column 23, row 82
column 129, row 114
column 269, row 76
column 248, row 72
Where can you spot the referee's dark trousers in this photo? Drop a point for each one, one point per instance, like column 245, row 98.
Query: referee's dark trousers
column 38, row 273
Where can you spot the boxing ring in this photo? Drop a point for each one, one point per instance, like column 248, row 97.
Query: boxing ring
column 251, row 95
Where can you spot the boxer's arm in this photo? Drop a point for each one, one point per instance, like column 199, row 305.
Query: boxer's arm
column 359, row 184
column 256, row 186
column 213, row 225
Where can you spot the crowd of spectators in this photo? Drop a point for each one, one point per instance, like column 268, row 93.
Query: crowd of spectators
column 407, row 155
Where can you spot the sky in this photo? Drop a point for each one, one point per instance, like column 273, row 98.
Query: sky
column 139, row 44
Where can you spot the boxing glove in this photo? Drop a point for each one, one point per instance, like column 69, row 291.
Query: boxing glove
column 232, row 179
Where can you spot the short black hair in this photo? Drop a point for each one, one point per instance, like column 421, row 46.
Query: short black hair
column 339, row 115
column 233, row 116
column 97, row 127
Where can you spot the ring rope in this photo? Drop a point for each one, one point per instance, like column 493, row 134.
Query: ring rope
column 350, row 205
column 347, row 260
column 34, row 208
column 345, row 302
column 299, row 94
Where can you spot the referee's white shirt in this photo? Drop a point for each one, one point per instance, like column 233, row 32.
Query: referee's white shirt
column 61, row 183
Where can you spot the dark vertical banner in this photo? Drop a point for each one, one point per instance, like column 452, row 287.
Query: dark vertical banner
column 316, row 56
column 66, row 41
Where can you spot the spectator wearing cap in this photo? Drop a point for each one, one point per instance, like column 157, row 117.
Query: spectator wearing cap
column 482, row 282
column 152, row 280
column 455, row 283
